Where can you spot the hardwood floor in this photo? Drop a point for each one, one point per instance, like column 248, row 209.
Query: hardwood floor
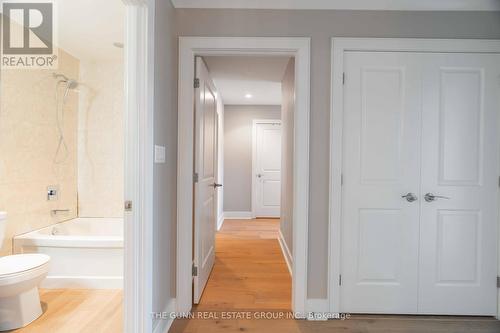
column 250, row 274
column 78, row 311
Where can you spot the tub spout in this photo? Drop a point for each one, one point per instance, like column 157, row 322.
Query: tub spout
column 59, row 211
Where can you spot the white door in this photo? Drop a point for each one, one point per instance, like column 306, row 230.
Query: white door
column 425, row 124
column 266, row 169
column 381, row 164
column 458, row 251
column 205, row 203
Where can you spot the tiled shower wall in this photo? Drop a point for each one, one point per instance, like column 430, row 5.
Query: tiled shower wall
column 100, row 140
column 28, row 143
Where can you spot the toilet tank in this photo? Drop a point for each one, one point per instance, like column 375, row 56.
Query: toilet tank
column 3, row 221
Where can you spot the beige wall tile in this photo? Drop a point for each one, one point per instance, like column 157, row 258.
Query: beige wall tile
column 28, row 143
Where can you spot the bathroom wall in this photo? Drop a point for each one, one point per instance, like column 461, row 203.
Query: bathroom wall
column 28, row 144
column 100, row 139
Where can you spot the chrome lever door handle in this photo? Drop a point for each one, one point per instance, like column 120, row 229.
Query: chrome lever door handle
column 215, row 185
column 410, row 197
column 429, row 197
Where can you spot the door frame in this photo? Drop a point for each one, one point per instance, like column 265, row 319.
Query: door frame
column 338, row 47
column 138, row 165
column 255, row 122
column 189, row 47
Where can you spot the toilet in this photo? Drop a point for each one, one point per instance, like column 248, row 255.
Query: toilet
column 20, row 276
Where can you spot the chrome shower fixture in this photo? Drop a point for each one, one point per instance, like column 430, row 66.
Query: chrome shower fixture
column 70, row 83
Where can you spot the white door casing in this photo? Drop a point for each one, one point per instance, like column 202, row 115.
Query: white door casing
column 266, row 168
column 205, row 164
column 189, row 48
column 443, row 140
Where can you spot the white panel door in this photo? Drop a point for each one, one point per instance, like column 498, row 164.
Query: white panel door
column 458, row 251
column 427, row 124
column 267, row 169
column 380, row 228
column 205, row 205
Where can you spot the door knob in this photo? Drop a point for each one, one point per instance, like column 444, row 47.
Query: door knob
column 259, row 175
column 215, row 185
column 410, row 197
column 429, row 197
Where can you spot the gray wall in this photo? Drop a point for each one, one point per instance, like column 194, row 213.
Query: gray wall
column 321, row 26
column 238, row 122
column 287, row 113
column 165, row 133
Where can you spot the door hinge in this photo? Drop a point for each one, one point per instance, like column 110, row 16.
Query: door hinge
column 195, row 270
column 340, row 279
column 195, row 177
column 128, row 206
column 342, row 180
column 498, row 281
column 196, row 83
column 343, row 78
column 498, row 181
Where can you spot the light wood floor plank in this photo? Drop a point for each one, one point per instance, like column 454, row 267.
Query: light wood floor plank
column 78, row 311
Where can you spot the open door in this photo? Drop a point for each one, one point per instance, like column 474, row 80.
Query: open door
column 205, row 186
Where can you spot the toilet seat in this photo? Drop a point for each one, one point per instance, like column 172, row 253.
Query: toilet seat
column 19, row 263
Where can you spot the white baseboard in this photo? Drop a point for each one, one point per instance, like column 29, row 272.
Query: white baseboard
column 220, row 221
column 317, row 308
column 163, row 324
column 82, row 282
column 286, row 253
column 238, row 215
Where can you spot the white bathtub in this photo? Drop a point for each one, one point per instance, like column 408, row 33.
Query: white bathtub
column 84, row 252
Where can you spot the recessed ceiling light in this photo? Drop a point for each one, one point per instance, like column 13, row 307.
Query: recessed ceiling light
column 248, row 95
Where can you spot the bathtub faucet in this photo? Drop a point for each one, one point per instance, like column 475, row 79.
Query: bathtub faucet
column 58, row 211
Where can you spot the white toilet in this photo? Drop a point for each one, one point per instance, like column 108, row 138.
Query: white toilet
column 20, row 276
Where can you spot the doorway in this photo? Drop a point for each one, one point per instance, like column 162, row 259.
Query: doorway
column 190, row 47
column 419, row 178
column 266, row 167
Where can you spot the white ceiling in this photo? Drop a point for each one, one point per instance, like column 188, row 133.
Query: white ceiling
column 237, row 76
column 473, row 5
column 87, row 29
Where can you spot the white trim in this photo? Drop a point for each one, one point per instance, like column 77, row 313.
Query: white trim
column 432, row 5
column 237, row 215
column 82, row 282
column 338, row 48
column 317, row 309
column 139, row 94
column 188, row 48
column 220, row 221
column 286, row 252
column 167, row 319
column 254, row 158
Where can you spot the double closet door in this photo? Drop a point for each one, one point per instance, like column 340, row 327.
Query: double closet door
column 420, row 183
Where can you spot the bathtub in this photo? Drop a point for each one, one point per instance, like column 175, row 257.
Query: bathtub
column 85, row 252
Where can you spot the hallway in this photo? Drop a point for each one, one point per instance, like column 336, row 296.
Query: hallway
column 250, row 272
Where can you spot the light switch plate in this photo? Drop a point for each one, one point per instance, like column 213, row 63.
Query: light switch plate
column 159, row 154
